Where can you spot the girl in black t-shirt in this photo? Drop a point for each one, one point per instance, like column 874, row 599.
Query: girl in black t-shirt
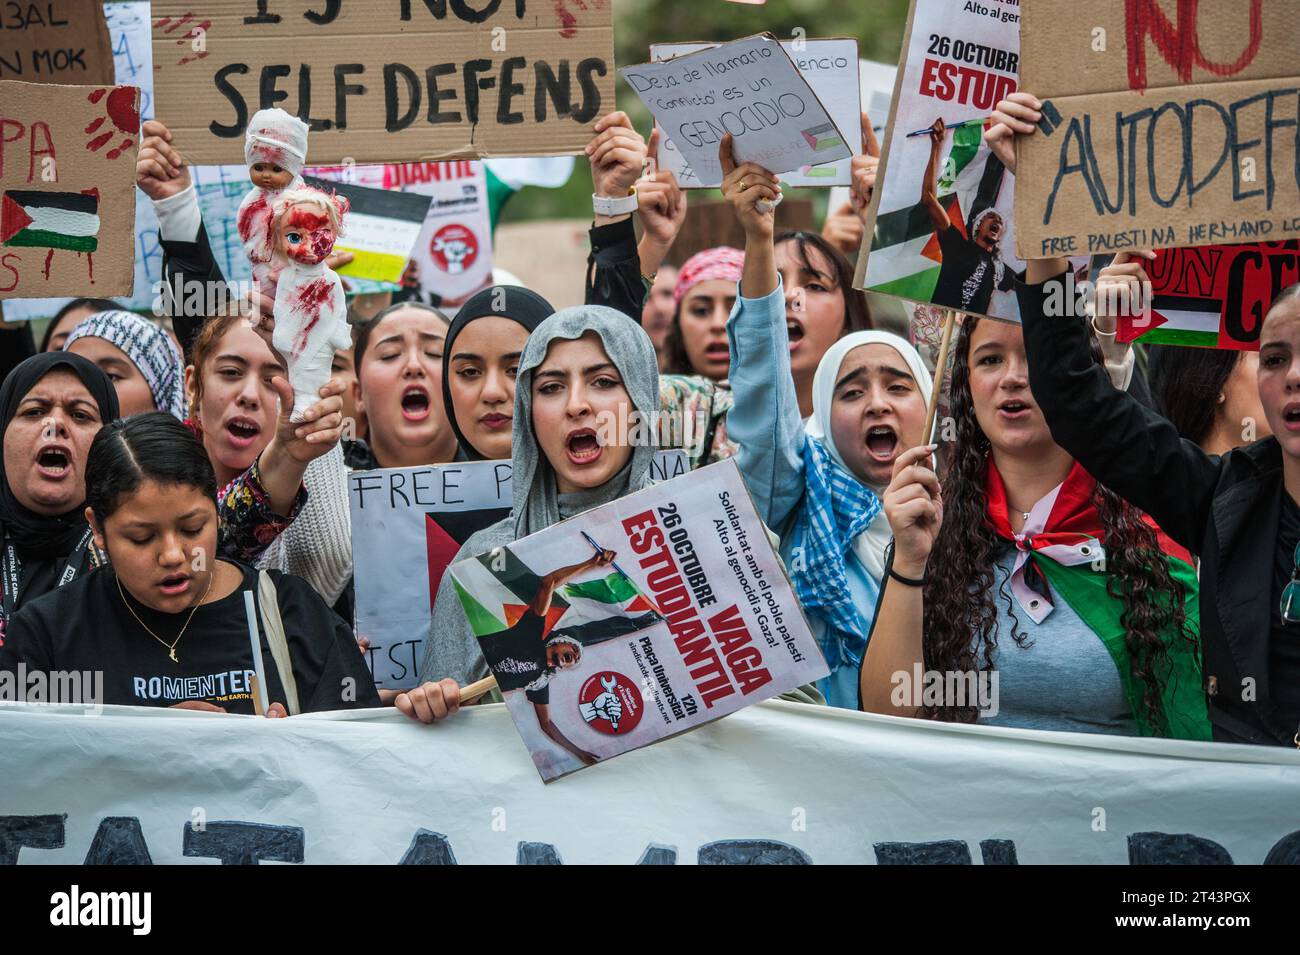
column 165, row 623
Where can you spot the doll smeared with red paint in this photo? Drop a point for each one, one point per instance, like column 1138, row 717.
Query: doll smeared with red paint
column 275, row 148
column 310, row 311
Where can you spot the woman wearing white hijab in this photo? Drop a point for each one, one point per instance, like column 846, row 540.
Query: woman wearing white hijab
column 818, row 484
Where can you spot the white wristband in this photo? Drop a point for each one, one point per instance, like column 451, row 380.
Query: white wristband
column 614, row 207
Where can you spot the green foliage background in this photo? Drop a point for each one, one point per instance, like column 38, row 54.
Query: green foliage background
column 876, row 24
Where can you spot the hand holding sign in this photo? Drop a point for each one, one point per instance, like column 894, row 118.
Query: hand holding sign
column 864, row 168
column 1018, row 114
column 617, row 155
column 1122, row 289
column 745, row 186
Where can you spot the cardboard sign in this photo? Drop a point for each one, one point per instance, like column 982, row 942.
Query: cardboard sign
column 452, row 255
column 831, row 70
column 67, row 189
column 380, row 229
column 1213, row 297
column 407, row 525
column 749, row 88
column 1148, row 160
column 58, row 41
column 691, row 618
column 1151, row 44
column 387, row 81
column 958, row 60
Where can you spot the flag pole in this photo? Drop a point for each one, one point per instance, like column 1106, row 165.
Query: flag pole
column 950, row 319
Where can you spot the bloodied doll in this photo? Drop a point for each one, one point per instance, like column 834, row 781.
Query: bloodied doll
column 275, row 148
column 310, row 310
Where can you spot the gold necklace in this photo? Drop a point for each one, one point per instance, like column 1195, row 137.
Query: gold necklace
column 171, row 647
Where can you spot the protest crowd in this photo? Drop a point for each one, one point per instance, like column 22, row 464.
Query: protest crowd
column 1105, row 529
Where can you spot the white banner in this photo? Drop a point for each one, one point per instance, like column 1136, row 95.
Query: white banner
column 776, row 782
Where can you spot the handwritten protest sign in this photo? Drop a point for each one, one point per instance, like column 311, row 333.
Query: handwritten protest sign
column 1213, row 296
column 452, row 256
column 59, row 41
column 749, row 88
column 942, row 204
column 390, row 81
column 382, row 226
column 1181, row 144
column 830, row 67
column 638, row 620
column 67, row 184
column 407, row 525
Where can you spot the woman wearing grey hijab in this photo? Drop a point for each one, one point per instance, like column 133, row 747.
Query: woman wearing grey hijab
column 583, row 370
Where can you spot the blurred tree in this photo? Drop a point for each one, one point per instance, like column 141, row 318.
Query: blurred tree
column 876, row 24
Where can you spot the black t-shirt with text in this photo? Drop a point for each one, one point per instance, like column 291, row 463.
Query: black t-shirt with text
column 967, row 275
column 86, row 626
column 518, row 656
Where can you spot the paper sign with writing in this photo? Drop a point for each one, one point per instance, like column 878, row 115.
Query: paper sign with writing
column 1148, row 160
column 57, row 41
column 942, row 203
column 1213, row 296
column 831, row 68
column 407, row 525
column 452, row 256
column 638, row 620
column 67, row 189
column 379, row 82
column 749, row 88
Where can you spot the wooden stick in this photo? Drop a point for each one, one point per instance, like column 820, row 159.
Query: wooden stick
column 256, row 687
column 940, row 368
column 477, row 688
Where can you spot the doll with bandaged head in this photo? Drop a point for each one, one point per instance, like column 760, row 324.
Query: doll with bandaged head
column 310, row 310
column 275, row 148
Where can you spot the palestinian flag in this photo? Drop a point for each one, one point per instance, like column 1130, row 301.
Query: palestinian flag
column 905, row 256
column 1177, row 320
column 505, row 177
column 496, row 588
column 50, row 220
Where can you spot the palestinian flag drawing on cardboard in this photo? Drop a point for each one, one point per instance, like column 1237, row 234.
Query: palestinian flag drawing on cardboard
column 50, row 220
column 1213, row 296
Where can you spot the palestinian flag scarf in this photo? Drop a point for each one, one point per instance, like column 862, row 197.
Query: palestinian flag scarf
column 1060, row 553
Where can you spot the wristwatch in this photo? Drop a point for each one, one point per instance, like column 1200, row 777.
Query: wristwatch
column 614, row 207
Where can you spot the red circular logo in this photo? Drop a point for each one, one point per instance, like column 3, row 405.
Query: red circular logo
column 453, row 249
column 611, row 703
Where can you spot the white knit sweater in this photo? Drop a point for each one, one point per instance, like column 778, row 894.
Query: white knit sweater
column 317, row 546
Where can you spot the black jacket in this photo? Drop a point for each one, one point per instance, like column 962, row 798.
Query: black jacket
column 184, row 265
column 1225, row 509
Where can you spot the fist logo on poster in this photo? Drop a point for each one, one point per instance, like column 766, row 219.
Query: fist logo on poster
column 453, row 249
column 609, row 702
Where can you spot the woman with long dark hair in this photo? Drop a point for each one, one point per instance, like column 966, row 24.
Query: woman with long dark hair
column 164, row 621
column 1023, row 566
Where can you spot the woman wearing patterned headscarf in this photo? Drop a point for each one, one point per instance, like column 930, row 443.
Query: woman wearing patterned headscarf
column 140, row 359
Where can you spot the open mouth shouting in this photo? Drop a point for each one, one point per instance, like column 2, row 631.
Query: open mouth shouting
column 242, row 431
column 794, row 331
column 1014, row 409
column 415, row 403
column 882, row 443
column 582, row 447
column 174, row 584
column 1291, row 416
column 717, row 352
column 54, row 461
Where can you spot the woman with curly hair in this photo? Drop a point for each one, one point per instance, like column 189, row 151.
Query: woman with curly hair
column 1024, row 567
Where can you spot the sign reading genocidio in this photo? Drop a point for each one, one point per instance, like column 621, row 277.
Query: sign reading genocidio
column 389, row 80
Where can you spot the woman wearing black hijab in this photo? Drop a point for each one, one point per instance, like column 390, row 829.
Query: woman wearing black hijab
column 51, row 407
column 479, row 362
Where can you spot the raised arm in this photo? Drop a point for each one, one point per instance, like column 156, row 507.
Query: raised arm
column 616, row 154
column 930, row 181
column 541, row 604
column 1124, row 445
column 914, row 507
column 764, row 421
